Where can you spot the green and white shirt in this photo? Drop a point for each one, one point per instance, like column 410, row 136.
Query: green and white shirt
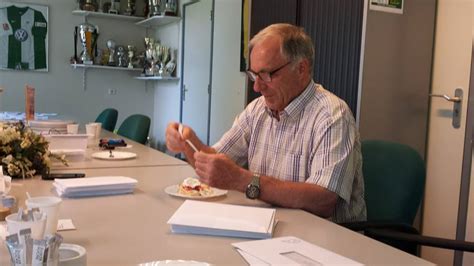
column 23, row 32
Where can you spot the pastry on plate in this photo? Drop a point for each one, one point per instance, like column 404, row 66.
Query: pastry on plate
column 193, row 187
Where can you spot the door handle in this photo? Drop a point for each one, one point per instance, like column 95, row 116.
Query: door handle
column 447, row 98
column 457, row 104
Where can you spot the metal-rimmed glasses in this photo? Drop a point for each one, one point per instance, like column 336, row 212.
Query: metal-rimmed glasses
column 265, row 76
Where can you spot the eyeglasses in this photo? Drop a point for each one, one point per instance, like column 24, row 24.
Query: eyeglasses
column 265, row 76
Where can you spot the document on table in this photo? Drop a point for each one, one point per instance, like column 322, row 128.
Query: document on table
column 207, row 218
column 288, row 250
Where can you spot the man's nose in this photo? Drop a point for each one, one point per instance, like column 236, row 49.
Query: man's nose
column 258, row 84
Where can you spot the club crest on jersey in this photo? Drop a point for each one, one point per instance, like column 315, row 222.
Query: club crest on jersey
column 21, row 35
column 5, row 26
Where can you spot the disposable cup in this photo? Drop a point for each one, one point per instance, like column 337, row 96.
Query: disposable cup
column 50, row 206
column 72, row 128
column 14, row 225
column 98, row 129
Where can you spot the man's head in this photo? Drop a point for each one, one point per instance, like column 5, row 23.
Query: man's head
column 281, row 63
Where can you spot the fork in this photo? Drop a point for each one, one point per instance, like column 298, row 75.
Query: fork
column 180, row 130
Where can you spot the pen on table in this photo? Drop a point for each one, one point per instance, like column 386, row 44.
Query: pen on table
column 180, row 130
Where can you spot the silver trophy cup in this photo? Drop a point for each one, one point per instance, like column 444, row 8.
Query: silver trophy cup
column 88, row 38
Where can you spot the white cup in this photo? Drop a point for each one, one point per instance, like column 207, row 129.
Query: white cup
column 72, row 255
column 72, row 128
column 5, row 185
column 14, row 225
column 91, row 129
column 98, row 129
column 50, row 206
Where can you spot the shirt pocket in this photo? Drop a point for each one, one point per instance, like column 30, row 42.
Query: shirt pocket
column 293, row 167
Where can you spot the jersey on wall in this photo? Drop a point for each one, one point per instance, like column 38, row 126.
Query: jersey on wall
column 23, row 37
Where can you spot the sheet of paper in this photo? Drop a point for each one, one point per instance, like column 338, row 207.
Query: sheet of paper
column 292, row 250
column 251, row 260
column 65, row 224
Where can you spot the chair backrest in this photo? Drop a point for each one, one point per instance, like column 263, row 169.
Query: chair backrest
column 135, row 127
column 394, row 176
column 108, row 118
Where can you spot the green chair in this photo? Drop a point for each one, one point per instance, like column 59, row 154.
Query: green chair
column 108, row 118
column 394, row 179
column 135, row 127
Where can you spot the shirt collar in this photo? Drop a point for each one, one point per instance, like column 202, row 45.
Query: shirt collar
column 298, row 104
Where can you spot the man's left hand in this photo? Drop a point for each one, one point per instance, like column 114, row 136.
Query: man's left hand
column 218, row 170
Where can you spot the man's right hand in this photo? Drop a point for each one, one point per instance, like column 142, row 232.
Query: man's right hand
column 174, row 142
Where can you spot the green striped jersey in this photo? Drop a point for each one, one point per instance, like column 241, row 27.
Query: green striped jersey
column 23, row 33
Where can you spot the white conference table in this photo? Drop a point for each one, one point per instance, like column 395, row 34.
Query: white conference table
column 146, row 156
column 131, row 229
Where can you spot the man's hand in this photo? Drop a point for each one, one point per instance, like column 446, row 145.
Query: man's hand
column 218, row 170
column 174, row 142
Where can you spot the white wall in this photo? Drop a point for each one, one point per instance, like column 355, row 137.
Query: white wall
column 61, row 89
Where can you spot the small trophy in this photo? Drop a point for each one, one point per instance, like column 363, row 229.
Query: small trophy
column 154, row 8
column 131, row 53
column 90, row 5
column 130, row 11
column 121, row 53
column 150, row 57
column 114, row 7
column 111, row 47
column 170, row 7
column 171, row 65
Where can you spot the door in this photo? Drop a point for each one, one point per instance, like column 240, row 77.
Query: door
column 446, row 144
column 197, row 68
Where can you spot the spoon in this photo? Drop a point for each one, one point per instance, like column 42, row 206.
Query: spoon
column 180, row 130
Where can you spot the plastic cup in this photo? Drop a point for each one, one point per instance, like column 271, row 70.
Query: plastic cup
column 72, row 128
column 14, row 226
column 50, row 206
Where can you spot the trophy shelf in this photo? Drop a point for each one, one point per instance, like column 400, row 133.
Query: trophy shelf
column 105, row 15
column 156, row 21
column 105, row 67
column 156, row 78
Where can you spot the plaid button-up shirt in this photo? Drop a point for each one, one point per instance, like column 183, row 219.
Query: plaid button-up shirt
column 314, row 141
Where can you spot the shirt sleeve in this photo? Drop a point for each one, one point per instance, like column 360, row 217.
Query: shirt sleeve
column 335, row 153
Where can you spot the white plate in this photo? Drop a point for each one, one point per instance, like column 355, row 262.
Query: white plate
column 117, row 155
column 173, row 191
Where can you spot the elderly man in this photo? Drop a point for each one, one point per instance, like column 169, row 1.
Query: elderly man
column 296, row 146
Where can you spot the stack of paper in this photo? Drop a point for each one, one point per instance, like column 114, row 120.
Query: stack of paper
column 206, row 218
column 288, row 251
column 94, row 186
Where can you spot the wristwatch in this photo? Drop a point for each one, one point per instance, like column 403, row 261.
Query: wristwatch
column 253, row 189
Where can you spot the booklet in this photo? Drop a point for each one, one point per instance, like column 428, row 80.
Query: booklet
column 208, row 218
column 289, row 250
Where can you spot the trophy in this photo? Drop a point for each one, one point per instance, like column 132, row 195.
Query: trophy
column 130, row 11
column 154, row 7
column 88, row 34
column 111, row 47
column 121, row 53
column 114, row 7
column 89, row 5
column 150, row 57
column 131, row 53
column 171, row 65
column 170, row 7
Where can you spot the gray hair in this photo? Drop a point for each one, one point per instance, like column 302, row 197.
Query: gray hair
column 295, row 43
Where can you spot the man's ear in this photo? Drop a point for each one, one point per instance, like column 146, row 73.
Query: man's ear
column 303, row 66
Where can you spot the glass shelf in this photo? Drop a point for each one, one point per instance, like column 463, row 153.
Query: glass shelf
column 105, row 67
column 158, row 21
column 157, row 78
column 105, row 15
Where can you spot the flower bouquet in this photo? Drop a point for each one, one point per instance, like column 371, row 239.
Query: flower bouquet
column 23, row 152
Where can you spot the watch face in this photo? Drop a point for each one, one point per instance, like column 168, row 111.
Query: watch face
column 252, row 192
